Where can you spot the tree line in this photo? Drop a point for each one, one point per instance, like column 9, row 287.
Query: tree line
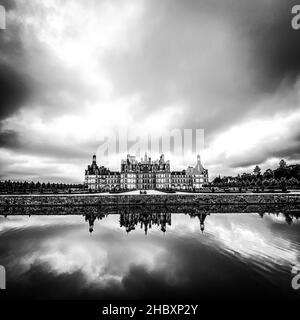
column 283, row 177
column 37, row 187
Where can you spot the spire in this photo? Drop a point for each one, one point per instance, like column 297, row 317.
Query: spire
column 94, row 158
column 198, row 159
column 199, row 168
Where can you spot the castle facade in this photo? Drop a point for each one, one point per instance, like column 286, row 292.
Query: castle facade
column 145, row 175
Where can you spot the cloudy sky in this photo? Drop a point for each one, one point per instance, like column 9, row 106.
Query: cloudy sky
column 73, row 71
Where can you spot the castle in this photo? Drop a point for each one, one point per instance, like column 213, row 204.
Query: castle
column 145, row 175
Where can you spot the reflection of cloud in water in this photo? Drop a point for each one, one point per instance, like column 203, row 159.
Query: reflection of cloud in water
column 69, row 258
column 19, row 222
column 63, row 246
column 104, row 256
column 245, row 235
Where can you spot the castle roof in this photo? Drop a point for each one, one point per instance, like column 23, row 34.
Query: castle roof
column 199, row 169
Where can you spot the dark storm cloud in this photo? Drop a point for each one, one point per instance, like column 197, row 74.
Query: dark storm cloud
column 289, row 152
column 9, row 139
column 31, row 76
column 15, row 85
column 276, row 44
column 8, row 4
column 14, row 91
column 13, row 140
column 217, row 58
column 260, row 156
column 266, row 26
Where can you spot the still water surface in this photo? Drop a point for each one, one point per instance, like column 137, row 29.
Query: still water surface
column 133, row 256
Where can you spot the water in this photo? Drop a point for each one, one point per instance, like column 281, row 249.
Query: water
column 136, row 255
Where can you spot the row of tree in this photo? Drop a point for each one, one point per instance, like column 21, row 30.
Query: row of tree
column 33, row 187
column 283, row 177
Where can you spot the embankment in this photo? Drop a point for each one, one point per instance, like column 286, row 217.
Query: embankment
column 164, row 199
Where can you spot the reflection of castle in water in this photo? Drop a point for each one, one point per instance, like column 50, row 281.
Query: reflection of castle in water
column 129, row 221
column 158, row 215
column 201, row 218
column 91, row 219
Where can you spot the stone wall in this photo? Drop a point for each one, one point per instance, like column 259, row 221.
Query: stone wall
column 167, row 199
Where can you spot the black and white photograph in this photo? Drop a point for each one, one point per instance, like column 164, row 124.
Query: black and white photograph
column 149, row 155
